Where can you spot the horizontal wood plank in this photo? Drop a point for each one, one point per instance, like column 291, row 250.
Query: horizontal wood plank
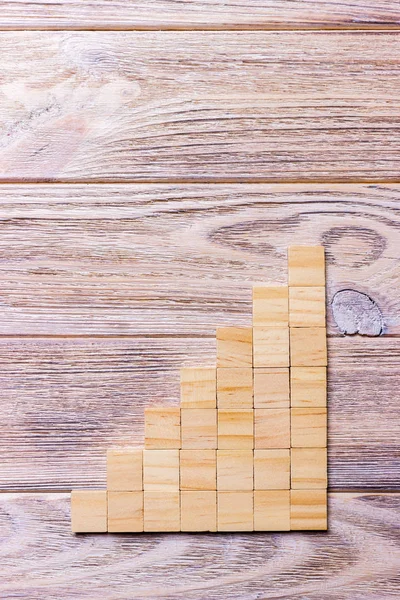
column 110, row 14
column 180, row 260
column 199, row 106
column 357, row 558
column 65, row 402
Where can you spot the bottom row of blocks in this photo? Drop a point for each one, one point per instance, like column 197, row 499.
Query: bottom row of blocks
column 125, row 512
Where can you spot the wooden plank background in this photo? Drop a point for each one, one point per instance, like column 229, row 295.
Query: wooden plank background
column 213, row 14
column 147, row 180
column 200, row 106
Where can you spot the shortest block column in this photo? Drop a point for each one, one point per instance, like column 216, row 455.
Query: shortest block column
column 89, row 511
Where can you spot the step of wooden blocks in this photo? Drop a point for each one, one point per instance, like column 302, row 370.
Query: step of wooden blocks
column 125, row 469
column 89, row 511
column 162, row 427
column 234, row 347
column 246, row 448
column 198, row 387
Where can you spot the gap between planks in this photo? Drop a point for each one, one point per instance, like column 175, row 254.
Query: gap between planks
column 376, row 27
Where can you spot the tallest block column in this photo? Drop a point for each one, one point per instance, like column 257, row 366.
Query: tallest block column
column 308, row 362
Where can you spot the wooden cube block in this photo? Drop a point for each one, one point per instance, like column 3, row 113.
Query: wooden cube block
column 307, row 306
column 271, row 346
column 309, row 468
column 125, row 512
column 308, row 347
column 272, row 428
column 162, row 427
column 306, row 265
column 271, row 388
column 89, row 511
column 161, row 470
column 272, row 469
column 235, row 511
column 198, row 470
column 235, row 388
column 271, row 510
column 125, row 469
column 198, row 511
column 308, row 386
column 270, row 306
column 234, row 347
column 235, row 429
column 162, row 511
column 198, row 387
column 199, row 428
column 234, row 470
column 308, row 427
column 308, row 510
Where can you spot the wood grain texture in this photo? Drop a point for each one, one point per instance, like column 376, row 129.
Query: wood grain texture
column 65, row 401
column 127, row 259
column 42, row 560
column 104, row 14
column 199, row 106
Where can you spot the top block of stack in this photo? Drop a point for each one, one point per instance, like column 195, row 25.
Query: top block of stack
column 306, row 266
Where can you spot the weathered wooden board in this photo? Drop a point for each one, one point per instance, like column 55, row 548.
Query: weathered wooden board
column 65, row 401
column 199, row 106
column 359, row 558
column 103, row 14
column 166, row 259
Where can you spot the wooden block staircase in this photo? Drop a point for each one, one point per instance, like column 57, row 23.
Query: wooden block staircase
column 246, row 449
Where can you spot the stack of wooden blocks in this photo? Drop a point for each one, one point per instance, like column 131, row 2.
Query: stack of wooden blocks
column 246, row 449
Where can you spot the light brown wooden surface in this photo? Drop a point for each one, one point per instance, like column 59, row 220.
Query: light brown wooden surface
column 199, row 106
column 65, row 401
column 151, row 260
column 43, row 560
column 104, row 14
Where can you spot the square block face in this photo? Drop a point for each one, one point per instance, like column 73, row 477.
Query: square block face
column 125, row 512
column 235, row 511
column 272, row 510
column 162, row 511
column 234, row 347
column 306, row 265
column 309, row 468
column 234, row 470
column 308, row 510
column 198, row 511
column 199, row 428
column 271, row 388
column 308, row 386
column 162, row 427
column 308, row 347
column 198, row 387
column 307, row 306
column 198, row 470
column 125, row 470
column 308, row 427
column 271, row 469
column 271, row 346
column 89, row 511
column 235, row 429
column 270, row 306
column 235, row 388
column 161, row 470
column 272, row 428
